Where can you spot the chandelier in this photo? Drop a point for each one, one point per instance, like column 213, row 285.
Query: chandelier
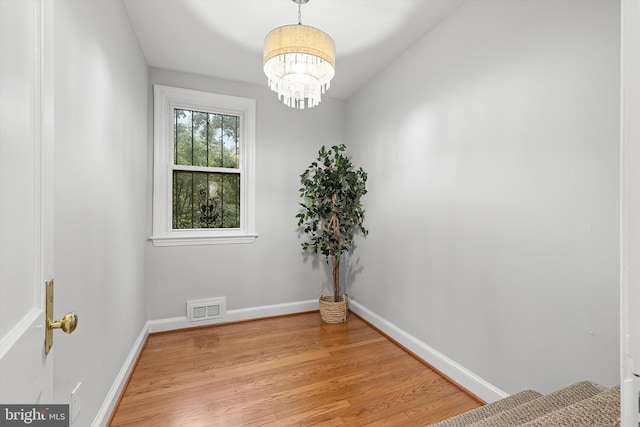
column 299, row 62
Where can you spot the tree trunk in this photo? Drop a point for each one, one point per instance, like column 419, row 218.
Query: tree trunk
column 334, row 226
column 336, row 278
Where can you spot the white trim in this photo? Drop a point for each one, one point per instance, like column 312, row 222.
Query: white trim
column 109, row 403
column 629, row 212
column 196, row 239
column 467, row 379
column 181, row 322
column 169, row 324
column 166, row 99
column 448, row 367
column 21, row 328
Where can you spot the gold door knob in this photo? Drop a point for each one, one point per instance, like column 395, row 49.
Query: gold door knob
column 67, row 324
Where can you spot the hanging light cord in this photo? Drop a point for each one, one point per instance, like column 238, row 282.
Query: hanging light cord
column 300, row 3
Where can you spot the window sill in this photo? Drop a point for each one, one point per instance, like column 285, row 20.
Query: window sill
column 197, row 240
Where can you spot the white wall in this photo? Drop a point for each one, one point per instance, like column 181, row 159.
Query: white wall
column 491, row 148
column 492, row 152
column 271, row 270
column 100, row 195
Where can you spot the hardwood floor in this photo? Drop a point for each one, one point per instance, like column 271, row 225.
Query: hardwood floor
column 284, row 371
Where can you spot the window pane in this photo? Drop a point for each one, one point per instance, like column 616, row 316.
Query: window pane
column 215, row 147
column 206, row 200
column 230, row 141
column 200, row 129
column 206, row 139
column 183, row 140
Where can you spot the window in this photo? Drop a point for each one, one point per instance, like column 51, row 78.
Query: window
column 204, row 147
column 206, row 170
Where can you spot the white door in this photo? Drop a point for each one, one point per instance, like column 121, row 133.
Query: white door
column 26, row 194
column 630, row 214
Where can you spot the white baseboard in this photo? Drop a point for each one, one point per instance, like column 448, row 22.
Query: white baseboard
column 104, row 414
column 237, row 315
column 161, row 325
column 448, row 367
column 467, row 379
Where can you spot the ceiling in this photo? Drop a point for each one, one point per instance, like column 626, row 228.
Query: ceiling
column 223, row 38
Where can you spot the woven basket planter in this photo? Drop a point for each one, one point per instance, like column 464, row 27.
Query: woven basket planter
column 333, row 312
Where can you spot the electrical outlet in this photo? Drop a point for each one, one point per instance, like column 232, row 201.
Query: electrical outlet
column 74, row 407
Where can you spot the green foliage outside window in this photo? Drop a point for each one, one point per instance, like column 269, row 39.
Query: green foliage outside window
column 208, row 198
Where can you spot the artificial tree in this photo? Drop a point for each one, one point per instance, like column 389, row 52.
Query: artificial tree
column 332, row 212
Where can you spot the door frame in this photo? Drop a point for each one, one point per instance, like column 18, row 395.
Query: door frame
column 630, row 212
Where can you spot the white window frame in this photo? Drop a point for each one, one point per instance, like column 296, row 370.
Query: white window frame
column 166, row 100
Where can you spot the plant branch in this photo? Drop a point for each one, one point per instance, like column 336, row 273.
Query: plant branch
column 331, row 192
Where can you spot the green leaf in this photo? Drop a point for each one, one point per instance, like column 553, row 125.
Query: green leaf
column 332, row 173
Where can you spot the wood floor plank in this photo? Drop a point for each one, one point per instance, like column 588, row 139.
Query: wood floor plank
column 284, row 371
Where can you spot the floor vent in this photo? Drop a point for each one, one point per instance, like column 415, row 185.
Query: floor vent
column 206, row 309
